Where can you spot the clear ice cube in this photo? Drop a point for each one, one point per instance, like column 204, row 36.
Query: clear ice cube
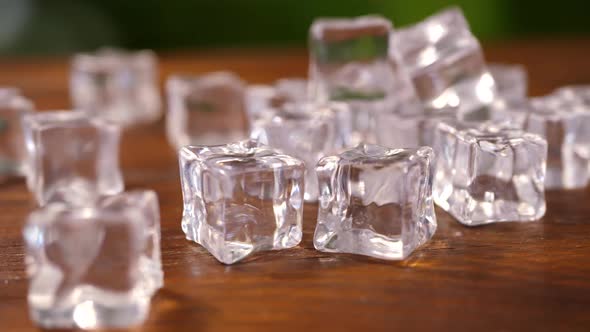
column 241, row 198
column 94, row 266
column 119, row 86
column 71, row 157
column 375, row 201
column 305, row 131
column 352, row 59
column 488, row 173
column 446, row 64
column 511, row 80
column 565, row 124
column 208, row 109
column 13, row 107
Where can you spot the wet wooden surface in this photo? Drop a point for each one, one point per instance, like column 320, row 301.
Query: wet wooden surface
column 504, row 277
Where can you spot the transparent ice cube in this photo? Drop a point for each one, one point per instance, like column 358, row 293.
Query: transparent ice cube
column 119, row 86
column 375, row 201
column 446, row 64
column 241, row 198
column 511, row 80
column 208, row 109
column 352, row 59
column 306, row 131
column 71, row 157
column 488, row 173
column 94, row 266
column 565, row 124
column 13, row 107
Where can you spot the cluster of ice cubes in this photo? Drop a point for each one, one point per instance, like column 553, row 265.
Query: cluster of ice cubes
column 368, row 127
column 92, row 249
column 389, row 122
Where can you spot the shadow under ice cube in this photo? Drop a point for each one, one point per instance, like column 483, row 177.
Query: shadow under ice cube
column 489, row 173
column 95, row 266
column 375, row 201
column 241, row 198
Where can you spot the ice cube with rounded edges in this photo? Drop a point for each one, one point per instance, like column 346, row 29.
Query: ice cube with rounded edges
column 511, row 80
column 488, row 173
column 241, row 198
column 352, row 60
column 116, row 85
column 305, row 130
column 206, row 109
column 375, row 201
column 565, row 124
column 94, row 266
column 13, row 107
column 446, row 64
column 71, row 157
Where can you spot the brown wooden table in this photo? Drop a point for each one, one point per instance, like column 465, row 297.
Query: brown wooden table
column 504, row 277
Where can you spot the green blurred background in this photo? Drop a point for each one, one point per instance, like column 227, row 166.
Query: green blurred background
column 40, row 27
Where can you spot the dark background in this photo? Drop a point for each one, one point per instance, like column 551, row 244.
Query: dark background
column 40, row 27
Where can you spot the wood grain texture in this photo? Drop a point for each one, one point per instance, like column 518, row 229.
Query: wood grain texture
column 503, row 277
